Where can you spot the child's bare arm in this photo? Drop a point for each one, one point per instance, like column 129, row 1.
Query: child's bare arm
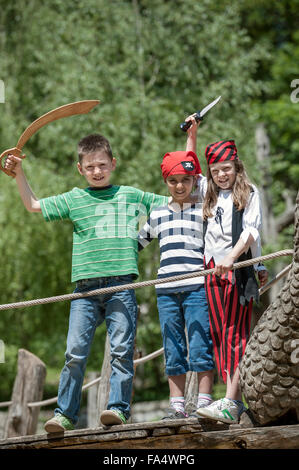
column 29, row 199
column 192, row 134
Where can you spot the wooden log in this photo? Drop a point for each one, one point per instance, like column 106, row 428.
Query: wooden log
column 107, row 434
column 28, row 387
column 159, row 435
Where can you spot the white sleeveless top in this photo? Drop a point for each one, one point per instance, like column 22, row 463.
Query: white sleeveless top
column 218, row 239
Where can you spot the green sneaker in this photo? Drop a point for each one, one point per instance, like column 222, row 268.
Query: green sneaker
column 110, row 417
column 59, row 423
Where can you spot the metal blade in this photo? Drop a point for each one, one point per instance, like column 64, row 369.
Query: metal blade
column 199, row 115
column 209, row 106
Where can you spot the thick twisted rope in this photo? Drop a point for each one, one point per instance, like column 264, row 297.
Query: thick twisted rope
column 160, row 351
column 137, row 285
column 273, row 281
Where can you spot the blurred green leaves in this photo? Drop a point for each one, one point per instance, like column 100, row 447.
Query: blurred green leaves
column 150, row 63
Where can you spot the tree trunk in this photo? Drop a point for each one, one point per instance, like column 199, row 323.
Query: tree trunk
column 28, row 387
column 268, row 227
column 271, row 226
column 263, row 159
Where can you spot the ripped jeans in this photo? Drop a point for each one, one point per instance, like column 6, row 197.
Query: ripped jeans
column 119, row 310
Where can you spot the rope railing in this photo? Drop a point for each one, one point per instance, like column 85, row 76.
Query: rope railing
column 138, row 285
column 160, row 351
column 273, row 281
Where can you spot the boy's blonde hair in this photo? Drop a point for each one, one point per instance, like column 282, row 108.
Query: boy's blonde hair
column 240, row 190
column 92, row 143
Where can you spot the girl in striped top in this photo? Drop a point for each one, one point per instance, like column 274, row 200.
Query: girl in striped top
column 182, row 304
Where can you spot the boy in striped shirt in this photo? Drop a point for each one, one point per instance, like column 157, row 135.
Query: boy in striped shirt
column 179, row 229
column 105, row 253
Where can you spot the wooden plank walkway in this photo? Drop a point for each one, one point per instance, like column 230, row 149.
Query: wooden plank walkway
column 188, row 433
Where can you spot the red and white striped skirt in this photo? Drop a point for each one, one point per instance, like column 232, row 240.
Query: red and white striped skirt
column 229, row 321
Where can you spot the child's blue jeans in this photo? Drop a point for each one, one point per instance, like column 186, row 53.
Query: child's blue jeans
column 119, row 310
column 179, row 310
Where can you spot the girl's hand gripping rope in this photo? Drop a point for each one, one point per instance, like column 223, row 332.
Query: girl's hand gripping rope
column 225, row 265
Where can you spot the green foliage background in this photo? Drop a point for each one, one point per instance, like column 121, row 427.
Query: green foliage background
column 150, row 63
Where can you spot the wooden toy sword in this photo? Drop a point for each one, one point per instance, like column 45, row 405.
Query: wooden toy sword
column 71, row 109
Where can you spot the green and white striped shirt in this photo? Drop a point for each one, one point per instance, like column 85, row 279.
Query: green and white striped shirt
column 106, row 223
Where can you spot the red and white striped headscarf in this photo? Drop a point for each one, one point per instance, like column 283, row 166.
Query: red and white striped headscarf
column 221, row 151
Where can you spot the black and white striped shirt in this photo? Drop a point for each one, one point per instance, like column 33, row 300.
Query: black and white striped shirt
column 179, row 232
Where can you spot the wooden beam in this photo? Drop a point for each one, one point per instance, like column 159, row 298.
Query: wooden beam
column 174, row 434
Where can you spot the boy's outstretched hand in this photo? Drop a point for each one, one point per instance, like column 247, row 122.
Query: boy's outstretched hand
column 14, row 164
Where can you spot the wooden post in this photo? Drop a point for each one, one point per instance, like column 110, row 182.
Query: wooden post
column 104, row 386
column 191, row 387
column 137, row 355
column 92, row 396
column 28, row 387
column 191, row 391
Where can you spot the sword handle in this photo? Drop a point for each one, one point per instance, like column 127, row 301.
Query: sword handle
column 14, row 151
column 185, row 125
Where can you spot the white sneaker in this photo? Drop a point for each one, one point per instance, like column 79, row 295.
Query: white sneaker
column 224, row 410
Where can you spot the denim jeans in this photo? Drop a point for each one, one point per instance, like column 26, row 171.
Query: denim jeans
column 179, row 310
column 119, row 310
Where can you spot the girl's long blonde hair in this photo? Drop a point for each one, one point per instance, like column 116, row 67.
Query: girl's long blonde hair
column 240, row 191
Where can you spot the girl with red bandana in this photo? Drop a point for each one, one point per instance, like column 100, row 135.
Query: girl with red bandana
column 232, row 223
